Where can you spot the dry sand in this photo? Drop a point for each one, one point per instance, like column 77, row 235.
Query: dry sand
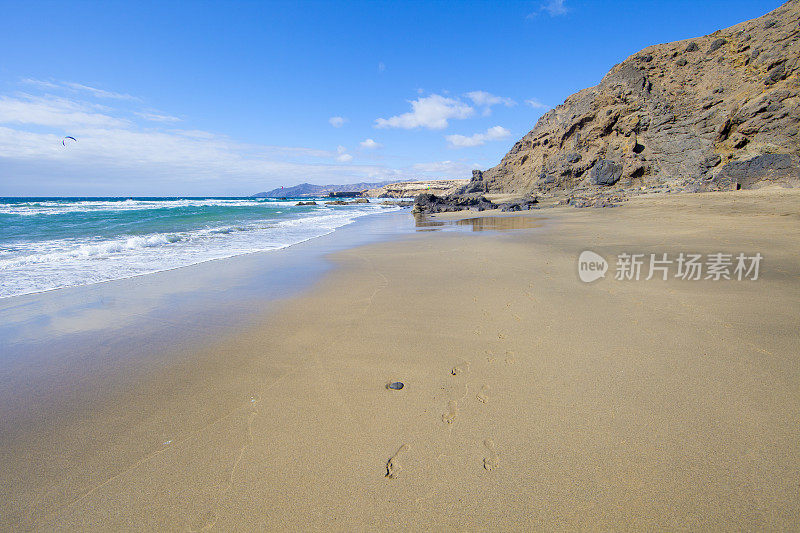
column 531, row 400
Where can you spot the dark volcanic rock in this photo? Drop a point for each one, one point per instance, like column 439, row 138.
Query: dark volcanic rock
column 716, row 45
column 768, row 169
column 430, row 203
column 594, row 201
column 606, row 172
column 656, row 121
column 524, row 205
column 352, row 202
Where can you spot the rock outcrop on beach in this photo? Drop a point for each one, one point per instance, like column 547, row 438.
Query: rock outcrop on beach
column 431, row 203
column 718, row 112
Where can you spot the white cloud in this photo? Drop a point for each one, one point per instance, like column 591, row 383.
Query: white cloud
column 337, row 122
column 156, row 117
column 115, row 155
column 124, row 148
column 484, row 99
column 555, row 8
column 53, row 112
column 195, row 134
column 430, row 112
column 99, row 93
column 40, row 83
column 343, row 156
column 94, row 91
column 446, row 169
column 370, row 144
column 536, row 104
column 492, row 134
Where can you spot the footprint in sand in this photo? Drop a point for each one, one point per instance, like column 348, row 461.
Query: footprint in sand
column 452, row 411
column 461, row 368
column 393, row 465
column 490, row 461
column 483, row 395
column 510, row 359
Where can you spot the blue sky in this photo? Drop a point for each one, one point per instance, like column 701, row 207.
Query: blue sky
column 231, row 98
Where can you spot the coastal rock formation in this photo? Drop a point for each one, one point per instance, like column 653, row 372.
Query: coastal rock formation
column 712, row 113
column 430, row 203
column 352, row 202
column 409, row 189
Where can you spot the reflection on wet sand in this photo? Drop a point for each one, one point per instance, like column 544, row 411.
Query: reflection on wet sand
column 480, row 223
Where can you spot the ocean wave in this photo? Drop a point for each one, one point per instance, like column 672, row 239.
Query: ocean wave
column 30, row 267
column 56, row 207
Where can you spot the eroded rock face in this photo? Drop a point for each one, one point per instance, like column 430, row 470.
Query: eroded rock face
column 677, row 115
column 768, row 169
column 430, row 203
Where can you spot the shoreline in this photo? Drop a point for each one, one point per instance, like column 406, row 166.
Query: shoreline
column 531, row 399
column 179, row 236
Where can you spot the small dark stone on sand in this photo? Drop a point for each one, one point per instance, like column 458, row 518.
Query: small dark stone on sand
column 395, row 385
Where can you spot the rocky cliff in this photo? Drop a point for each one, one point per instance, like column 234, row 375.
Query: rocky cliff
column 409, row 189
column 714, row 112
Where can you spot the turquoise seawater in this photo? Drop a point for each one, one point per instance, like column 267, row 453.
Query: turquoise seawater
column 48, row 243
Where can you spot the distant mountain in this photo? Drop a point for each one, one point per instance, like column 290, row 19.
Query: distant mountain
column 308, row 189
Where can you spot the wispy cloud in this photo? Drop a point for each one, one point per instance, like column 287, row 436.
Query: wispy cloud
column 370, row 144
column 554, row 8
column 534, row 103
column 79, row 87
column 381, row 66
column 342, row 155
column 39, row 83
column 99, row 93
column 115, row 154
column 430, row 112
column 487, row 100
column 495, row 133
column 445, row 169
column 156, row 117
column 337, row 122
column 53, row 112
column 124, row 148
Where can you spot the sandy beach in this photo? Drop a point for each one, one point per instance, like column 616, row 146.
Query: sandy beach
column 531, row 400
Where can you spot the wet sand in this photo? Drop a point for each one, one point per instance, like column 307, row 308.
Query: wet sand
column 530, row 399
